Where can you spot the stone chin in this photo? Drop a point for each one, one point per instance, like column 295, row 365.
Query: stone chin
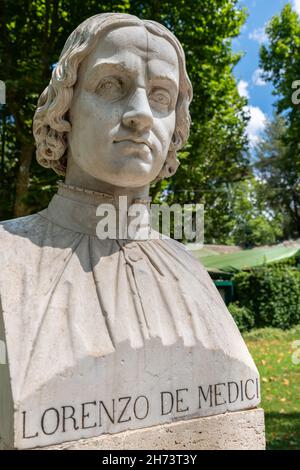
column 132, row 168
column 132, row 173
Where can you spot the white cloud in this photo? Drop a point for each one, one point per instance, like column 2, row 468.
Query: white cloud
column 296, row 6
column 257, row 78
column 259, row 35
column 256, row 124
column 243, row 88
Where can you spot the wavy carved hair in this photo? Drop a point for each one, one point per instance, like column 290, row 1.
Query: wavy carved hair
column 50, row 122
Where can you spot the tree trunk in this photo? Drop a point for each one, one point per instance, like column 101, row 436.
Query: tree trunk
column 22, row 183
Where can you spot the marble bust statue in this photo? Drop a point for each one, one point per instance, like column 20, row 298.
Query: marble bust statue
column 108, row 335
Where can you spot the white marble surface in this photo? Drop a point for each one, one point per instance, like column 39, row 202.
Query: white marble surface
column 240, row 430
column 101, row 320
column 104, row 336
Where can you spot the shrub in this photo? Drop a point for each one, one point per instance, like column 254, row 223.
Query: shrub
column 272, row 294
column 242, row 316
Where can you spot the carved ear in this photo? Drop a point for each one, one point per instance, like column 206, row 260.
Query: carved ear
column 170, row 166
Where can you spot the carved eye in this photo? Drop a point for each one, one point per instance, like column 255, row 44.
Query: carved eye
column 161, row 97
column 110, row 88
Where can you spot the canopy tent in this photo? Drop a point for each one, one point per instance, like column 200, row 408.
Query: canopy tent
column 244, row 259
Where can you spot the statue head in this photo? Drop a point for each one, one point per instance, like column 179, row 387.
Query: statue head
column 117, row 102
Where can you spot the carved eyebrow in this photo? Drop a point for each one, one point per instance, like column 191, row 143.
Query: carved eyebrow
column 165, row 78
column 103, row 64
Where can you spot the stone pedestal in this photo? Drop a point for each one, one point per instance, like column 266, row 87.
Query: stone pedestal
column 241, row 430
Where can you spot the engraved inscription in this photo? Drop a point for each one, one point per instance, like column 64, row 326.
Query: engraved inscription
column 99, row 414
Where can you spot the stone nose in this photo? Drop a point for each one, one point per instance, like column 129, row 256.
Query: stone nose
column 138, row 115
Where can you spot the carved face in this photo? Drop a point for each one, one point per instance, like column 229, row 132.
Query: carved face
column 123, row 109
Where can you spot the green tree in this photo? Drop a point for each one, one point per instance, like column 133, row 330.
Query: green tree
column 9, row 152
column 277, row 170
column 252, row 221
column 279, row 152
column 28, row 37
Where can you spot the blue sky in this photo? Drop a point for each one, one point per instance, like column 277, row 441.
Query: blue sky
column 250, row 84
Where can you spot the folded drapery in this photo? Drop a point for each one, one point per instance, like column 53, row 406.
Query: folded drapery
column 67, row 294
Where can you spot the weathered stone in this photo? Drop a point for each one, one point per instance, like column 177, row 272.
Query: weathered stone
column 241, row 430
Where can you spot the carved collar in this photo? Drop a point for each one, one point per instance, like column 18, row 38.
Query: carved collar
column 75, row 208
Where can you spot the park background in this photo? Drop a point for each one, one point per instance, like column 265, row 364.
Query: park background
column 242, row 160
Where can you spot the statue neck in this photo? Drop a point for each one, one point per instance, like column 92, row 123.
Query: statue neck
column 77, row 178
column 94, row 198
column 79, row 209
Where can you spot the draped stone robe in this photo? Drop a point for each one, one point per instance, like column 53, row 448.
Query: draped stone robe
column 92, row 325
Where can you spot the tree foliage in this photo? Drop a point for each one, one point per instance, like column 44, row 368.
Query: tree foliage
column 279, row 152
column 253, row 221
column 276, row 167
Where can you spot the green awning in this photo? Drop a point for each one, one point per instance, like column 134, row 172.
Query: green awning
column 244, row 259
